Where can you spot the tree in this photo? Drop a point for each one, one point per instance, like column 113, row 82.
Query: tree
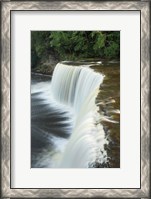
column 75, row 45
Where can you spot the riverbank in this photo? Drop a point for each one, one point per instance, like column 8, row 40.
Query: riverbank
column 44, row 68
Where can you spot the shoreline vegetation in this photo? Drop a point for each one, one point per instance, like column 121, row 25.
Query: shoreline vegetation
column 48, row 48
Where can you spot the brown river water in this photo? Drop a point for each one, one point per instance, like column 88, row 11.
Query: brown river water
column 109, row 97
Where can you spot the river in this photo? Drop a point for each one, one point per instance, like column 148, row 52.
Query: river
column 49, row 138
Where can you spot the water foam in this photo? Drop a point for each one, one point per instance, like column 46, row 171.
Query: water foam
column 77, row 88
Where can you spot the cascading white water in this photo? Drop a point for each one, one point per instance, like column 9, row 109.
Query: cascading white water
column 77, row 87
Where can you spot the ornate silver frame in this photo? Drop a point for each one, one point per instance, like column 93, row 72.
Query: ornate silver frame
column 144, row 8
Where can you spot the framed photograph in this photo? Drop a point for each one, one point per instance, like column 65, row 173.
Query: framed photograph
column 75, row 99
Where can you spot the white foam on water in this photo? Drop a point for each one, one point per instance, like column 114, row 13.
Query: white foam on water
column 73, row 90
column 78, row 87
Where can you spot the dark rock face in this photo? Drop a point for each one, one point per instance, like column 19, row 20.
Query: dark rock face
column 99, row 165
column 46, row 65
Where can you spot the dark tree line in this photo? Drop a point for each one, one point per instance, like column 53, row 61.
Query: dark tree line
column 74, row 45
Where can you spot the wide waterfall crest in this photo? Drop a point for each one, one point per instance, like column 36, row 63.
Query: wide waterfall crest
column 77, row 88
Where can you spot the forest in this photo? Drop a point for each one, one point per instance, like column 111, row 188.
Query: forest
column 50, row 47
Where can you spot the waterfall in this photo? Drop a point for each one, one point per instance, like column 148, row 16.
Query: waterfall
column 70, row 107
column 76, row 88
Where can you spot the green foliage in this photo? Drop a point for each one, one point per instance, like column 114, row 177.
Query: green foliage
column 39, row 46
column 69, row 45
column 75, row 45
column 112, row 49
column 99, row 41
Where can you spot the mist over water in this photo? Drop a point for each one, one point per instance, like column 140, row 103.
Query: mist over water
column 65, row 120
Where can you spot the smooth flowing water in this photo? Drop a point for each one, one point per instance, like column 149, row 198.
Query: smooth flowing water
column 66, row 123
